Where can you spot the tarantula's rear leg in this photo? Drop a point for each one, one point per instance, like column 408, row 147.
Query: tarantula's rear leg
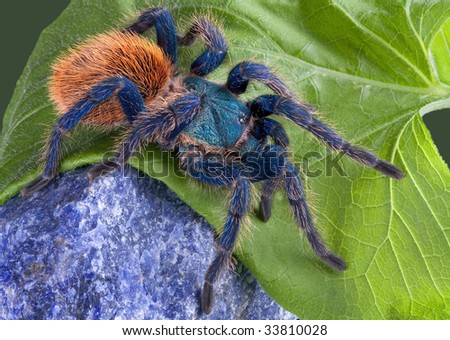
column 130, row 100
column 166, row 34
column 161, row 127
column 216, row 50
column 296, row 197
column 273, row 104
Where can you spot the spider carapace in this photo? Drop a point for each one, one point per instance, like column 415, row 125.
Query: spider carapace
column 121, row 78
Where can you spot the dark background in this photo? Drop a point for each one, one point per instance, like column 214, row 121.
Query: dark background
column 21, row 23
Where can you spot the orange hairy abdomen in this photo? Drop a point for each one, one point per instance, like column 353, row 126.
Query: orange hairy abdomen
column 102, row 57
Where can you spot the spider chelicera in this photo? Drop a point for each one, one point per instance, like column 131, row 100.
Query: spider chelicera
column 119, row 78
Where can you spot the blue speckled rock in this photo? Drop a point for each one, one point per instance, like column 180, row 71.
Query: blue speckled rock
column 123, row 247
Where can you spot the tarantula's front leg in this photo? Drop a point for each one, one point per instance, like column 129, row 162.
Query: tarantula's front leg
column 272, row 104
column 161, row 127
column 266, row 127
column 130, row 100
column 216, row 50
column 265, row 205
column 242, row 73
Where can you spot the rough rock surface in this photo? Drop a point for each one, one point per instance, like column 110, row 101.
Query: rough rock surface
column 122, row 247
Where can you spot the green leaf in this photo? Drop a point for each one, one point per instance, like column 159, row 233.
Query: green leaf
column 371, row 68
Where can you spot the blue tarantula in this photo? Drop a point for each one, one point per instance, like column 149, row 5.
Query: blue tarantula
column 120, row 78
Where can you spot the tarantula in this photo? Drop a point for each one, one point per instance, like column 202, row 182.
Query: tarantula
column 120, row 77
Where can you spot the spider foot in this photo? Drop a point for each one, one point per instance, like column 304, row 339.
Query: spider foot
column 34, row 187
column 206, row 299
column 101, row 169
column 334, row 261
column 389, row 169
column 265, row 208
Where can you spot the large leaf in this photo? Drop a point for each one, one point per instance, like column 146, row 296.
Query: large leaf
column 371, row 67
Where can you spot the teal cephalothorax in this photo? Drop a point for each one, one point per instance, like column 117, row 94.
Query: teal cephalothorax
column 223, row 118
column 119, row 78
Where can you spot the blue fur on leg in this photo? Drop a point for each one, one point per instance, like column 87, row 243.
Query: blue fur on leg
column 267, row 191
column 206, row 63
column 256, row 166
column 165, row 125
column 78, row 111
column 161, row 127
column 268, row 104
column 212, row 171
column 185, row 110
column 166, row 34
column 265, row 164
column 239, row 205
column 272, row 104
column 296, row 197
column 52, row 155
column 242, row 73
column 269, row 127
column 216, row 50
column 129, row 98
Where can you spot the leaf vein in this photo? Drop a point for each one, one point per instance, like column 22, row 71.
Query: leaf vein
column 346, row 76
column 386, row 44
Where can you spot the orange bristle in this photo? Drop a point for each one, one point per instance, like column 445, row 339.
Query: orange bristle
column 102, row 57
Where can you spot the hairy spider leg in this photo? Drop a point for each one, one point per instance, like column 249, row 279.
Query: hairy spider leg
column 216, row 50
column 265, row 163
column 254, row 167
column 130, row 100
column 265, row 205
column 239, row 205
column 134, row 140
column 242, row 73
column 161, row 127
column 274, row 104
column 272, row 166
column 268, row 127
column 296, row 197
column 166, row 34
